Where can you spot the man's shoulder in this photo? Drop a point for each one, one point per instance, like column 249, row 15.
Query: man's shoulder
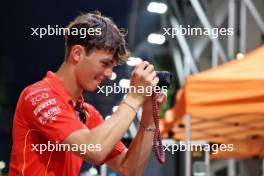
column 34, row 89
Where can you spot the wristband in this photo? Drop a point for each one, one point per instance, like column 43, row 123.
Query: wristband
column 131, row 107
column 147, row 129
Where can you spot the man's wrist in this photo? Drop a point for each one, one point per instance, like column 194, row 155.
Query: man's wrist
column 134, row 101
column 147, row 121
column 130, row 106
column 147, row 128
column 147, row 107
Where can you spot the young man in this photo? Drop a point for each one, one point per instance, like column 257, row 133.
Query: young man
column 52, row 111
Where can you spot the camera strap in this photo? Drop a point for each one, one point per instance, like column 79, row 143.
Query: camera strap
column 157, row 140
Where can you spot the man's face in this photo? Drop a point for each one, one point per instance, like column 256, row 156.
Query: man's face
column 94, row 68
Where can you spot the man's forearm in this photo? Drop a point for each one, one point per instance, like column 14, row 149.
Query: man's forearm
column 110, row 132
column 139, row 150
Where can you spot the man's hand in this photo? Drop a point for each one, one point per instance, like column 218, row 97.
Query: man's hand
column 142, row 77
column 161, row 99
column 147, row 120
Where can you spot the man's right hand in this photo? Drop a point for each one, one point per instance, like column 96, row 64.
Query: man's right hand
column 142, row 77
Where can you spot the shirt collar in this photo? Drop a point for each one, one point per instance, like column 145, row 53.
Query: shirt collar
column 57, row 86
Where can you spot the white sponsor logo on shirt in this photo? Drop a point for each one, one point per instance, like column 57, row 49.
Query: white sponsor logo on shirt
column 39, row 97
column 50, row 115
column 44, row 105
column 52, row 111
column 43, row 119
column 35, row 91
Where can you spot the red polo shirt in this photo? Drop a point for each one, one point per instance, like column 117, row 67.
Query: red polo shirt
column 45, row 115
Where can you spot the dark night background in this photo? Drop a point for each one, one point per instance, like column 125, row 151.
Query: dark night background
column 25, row 59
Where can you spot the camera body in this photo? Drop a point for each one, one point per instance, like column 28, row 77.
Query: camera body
column 165, row 78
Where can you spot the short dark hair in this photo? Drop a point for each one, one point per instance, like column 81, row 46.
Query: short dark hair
column 111, row 38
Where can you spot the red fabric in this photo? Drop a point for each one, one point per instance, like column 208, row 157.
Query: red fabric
column 45, row 114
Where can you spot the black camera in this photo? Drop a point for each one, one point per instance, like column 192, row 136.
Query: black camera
column 165, row 78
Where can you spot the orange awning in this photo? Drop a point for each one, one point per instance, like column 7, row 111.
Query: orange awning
column 226, row 105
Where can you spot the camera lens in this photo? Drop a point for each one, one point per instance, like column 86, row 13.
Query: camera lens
column 165, row 78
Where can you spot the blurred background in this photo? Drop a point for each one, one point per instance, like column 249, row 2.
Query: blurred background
column 25, row 59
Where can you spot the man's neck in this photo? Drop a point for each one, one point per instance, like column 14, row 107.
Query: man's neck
column 66, row 75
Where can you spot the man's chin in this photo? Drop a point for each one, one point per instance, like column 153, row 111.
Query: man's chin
column 92, row 88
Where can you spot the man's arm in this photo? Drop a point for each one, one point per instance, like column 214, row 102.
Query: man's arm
column 110, row 132
column 134, row 160
column 107, row 134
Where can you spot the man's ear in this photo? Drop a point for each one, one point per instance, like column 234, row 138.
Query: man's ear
column 76, row 53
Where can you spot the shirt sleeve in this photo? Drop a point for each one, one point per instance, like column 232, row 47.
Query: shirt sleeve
column 95, row 119
column 47, row 112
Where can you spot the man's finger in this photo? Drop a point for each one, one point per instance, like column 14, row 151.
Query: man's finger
column 164, row 92
column 149, row 68
column 142, row 65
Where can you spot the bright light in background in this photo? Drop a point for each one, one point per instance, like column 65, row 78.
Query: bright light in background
column 126, row 135
column 124, row 83
column 2, row 165
column 133, row 61
column 107, row 117
column 157, row 7
column 113, row 77
column 156, row 39
column 239, row 56
column 114, row 108
column 93, row 171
